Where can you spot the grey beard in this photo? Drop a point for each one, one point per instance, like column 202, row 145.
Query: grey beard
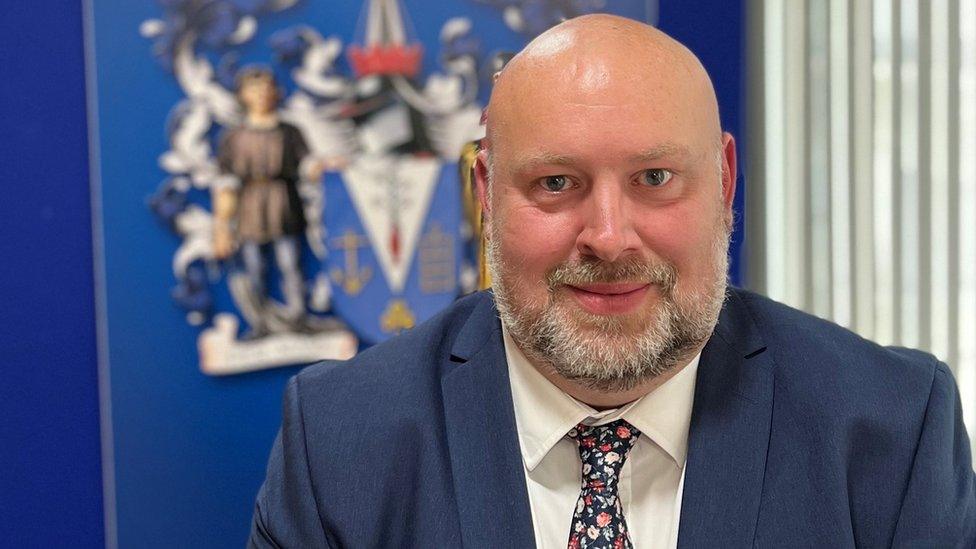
column 595, row 351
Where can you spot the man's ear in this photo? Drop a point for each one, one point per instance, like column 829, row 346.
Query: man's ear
column 481, row 184
column 728, row 170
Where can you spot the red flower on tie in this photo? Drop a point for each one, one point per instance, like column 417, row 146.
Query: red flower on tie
column 588, row 442
column 597, row 485
column 623, row 432
column 603, row 519
column 605, row 447
column 588, row 499
column 618, row 543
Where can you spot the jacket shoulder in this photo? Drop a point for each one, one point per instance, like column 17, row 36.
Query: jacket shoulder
column 834, row 346
column 818, row 361
column 405, row 366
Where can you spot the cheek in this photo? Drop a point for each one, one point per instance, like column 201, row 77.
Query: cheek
column 684, row 236
column 533, row 241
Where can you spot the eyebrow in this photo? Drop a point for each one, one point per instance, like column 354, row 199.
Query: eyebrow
column 663, row 150
column 528, row 162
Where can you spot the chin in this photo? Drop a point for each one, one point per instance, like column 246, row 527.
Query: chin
column 620, row 384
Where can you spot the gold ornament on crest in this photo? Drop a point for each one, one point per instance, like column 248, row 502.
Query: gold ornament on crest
column 472, row 207
column 397, row 317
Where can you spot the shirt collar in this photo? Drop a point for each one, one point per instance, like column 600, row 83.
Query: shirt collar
column 544, row 413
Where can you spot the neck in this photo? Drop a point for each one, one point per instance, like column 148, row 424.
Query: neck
column 604, row 400
column 262, row 119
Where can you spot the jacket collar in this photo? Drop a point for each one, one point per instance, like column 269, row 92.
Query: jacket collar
column 729, row 434
column 489, row 479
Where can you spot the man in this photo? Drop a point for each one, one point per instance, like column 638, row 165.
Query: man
column 263, row 209
column 625, row 398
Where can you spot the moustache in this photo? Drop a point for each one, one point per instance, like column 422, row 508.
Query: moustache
column 589, row 270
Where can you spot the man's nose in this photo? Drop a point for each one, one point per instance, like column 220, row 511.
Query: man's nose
column 608, row 225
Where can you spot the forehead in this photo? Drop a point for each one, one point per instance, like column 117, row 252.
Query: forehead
column 257, row 81
column 609, row 105
column 629, row 125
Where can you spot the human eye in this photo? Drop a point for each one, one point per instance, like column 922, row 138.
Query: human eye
column 555, row 183
column 655, row 177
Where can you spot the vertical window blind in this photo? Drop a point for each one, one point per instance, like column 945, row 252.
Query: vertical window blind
column 862, row 169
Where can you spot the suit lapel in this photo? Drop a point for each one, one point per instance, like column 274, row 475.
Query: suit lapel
column 729, row 435
column 489, row 478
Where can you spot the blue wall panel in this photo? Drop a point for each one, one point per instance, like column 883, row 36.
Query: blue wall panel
column 50, row 474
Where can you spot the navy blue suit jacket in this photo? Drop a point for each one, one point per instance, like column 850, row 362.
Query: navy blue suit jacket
column 802, row 435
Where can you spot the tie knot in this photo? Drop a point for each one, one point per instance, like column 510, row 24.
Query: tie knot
column 603, row 450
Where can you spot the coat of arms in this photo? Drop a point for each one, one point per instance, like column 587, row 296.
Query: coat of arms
column 315, row 187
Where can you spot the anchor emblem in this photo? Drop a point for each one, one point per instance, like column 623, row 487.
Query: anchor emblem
column 352, row 279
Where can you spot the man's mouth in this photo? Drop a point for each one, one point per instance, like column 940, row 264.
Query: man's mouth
column 608, row 298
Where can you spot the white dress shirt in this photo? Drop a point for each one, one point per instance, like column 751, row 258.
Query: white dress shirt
column 652, row 477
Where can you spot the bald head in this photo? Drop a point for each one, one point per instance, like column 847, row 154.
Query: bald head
column 603, row 60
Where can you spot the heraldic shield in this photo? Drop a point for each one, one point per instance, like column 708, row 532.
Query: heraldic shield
column 393, row 230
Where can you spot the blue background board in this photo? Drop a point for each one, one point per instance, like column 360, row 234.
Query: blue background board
column 189, row 450
column 50, row 471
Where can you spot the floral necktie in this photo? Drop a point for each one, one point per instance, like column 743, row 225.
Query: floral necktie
column 598, row 521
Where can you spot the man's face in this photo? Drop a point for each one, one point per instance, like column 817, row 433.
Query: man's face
column 608, row 221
